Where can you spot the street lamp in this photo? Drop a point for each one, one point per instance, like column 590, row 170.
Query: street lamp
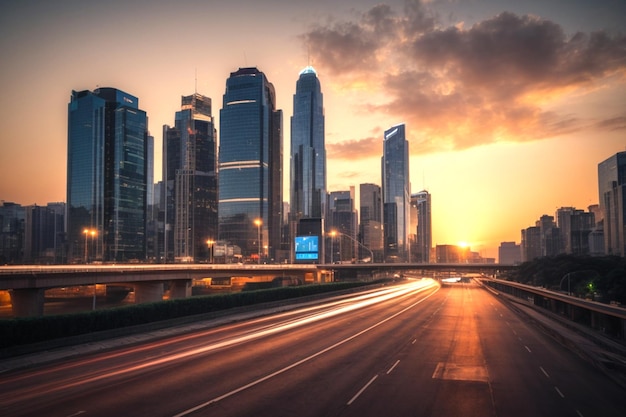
column 357, row 242
column 210, row 243
column 87, row 233
column 332, row 233
column 258, row 223
column 568, row 283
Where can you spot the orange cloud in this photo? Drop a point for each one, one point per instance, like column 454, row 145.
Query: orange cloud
column 460, row 87
column 355, row 149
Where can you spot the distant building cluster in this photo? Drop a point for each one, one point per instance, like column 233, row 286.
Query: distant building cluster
column 599, row 231
column 216, row 203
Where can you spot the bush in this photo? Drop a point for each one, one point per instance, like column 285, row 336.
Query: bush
column 28, row 330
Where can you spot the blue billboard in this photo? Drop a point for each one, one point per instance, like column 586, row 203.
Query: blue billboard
column 307, row 248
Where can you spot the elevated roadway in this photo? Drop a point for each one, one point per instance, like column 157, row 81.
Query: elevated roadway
column 27, row 283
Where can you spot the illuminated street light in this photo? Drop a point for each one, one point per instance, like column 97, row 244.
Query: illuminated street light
column 210, row 243
column 334, row 232
column 87, row 233
column 258, row 223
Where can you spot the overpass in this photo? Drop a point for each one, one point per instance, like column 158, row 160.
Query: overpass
column 28, row 283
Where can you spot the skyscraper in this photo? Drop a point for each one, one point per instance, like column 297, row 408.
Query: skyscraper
column 308, row 153
column 342, row 219
column 612, row 188
column 396, row 191
column 423, row 241
column 106, row 176
column 371, row 226
column 189, row 170
column 250, row 164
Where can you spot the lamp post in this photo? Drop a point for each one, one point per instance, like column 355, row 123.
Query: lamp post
column 332, row 233
column 87, row 233
column 210, row 243
column 357, row 242
column 568, row 283
column 92, row 233
column 258, row 223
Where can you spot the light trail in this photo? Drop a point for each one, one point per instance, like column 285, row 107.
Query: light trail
column 338, row 307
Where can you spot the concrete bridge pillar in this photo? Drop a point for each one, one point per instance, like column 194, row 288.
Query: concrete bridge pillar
column 148, row 291
column 180, row 288
column 27, row 302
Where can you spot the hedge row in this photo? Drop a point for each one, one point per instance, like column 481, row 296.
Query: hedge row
column 28, row 330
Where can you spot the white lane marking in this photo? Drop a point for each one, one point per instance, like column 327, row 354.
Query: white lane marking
column 362, row 389
column 393, row 366
column 413, row 342
column 559, row 391
column 527, row 348
column 544, row 372
column 301, row 361
column 579, row 413
column 77, row 413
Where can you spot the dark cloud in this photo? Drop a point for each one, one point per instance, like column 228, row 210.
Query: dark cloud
column 461, row 87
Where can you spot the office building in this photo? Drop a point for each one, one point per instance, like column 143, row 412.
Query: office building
column 575, row 226
column 396, row 193
column 509, row 253
column 551, row 240
column 612, row 189
column 12, row 219
column 106, row 176
column 531, row 243
column 342, row 226
column 371, row 226
column 421, row 227
column 308, row 153
column 250, row 165
column 190, row 178
column 44, row 234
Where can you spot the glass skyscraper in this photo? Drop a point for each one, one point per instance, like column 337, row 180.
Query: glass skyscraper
column 250, row 165
column 106, row 176
column 612, row 188
column 423, row 231
column 308, row 152
column 396, row 193
column 189, row 170
column 371, row 226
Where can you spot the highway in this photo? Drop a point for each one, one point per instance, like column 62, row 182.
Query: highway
column 417, row 349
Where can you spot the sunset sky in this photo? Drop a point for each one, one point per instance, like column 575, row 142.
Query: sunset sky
column 509, row 105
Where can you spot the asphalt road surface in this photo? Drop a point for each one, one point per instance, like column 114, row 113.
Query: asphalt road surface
column 411, row 350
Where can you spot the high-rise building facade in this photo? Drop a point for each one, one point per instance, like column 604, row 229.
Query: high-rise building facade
column 423, row 240
column 531, row 243
column 342, row 225
column 509, row 253
column 44, row 233
column 106, row 176
column 308, row 151
column 371, row 226
column 612, row 188
column 190, row 177
column 250, row 165
column 575, row 226
column 396, row 193
column 12, row 220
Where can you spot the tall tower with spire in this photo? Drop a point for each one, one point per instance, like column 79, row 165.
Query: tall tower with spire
column 308, row 152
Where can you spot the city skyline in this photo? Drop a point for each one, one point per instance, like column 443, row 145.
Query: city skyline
column 497, row 138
